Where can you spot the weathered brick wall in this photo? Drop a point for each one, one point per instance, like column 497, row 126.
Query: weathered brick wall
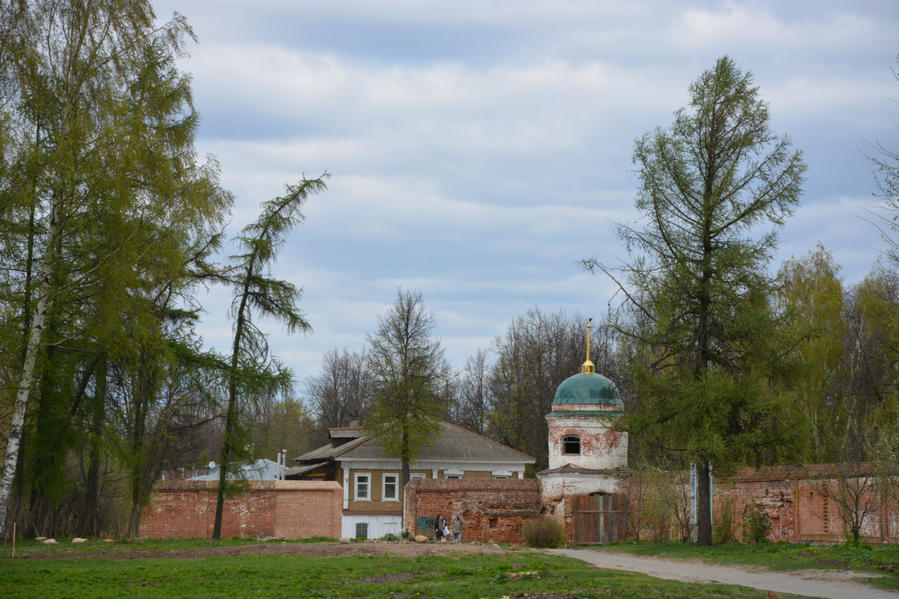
column 493, row 510
column 799, row 502
column 183, row 509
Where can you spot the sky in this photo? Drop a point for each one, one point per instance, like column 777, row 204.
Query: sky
column 479, row 149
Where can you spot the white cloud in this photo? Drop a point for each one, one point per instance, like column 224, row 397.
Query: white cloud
column 477, row 153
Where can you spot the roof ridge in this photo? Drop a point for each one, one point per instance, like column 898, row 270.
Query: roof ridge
column 342, row 449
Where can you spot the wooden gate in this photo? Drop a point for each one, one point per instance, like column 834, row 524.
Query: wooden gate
column 599, row 518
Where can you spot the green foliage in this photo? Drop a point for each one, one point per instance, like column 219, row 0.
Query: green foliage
column 702, row 339
column 109, row 220
column 756, row 524
column 408, row 371
column 723, row 525
column 543, row 532
column 252, row 373
column 811, row 297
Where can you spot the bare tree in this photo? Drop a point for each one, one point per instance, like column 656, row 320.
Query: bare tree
column 472, row 401
column 853, row 491
column 536, row 354
column 341, row 392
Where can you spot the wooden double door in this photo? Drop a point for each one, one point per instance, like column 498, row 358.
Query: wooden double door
column 599, row 518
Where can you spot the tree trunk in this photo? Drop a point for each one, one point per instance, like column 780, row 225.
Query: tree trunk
column 404, row 458
column 92, row 492
column 143, row 396
column 231, row 414
column 704, row 502
column 17, row 425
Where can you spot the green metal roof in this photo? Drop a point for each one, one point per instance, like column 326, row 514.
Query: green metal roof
column 589, row 389
column 558, row 413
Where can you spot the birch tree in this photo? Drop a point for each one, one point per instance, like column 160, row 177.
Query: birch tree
column 97, row 128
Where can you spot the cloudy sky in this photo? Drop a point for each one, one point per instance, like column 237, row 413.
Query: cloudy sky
column 479, row 149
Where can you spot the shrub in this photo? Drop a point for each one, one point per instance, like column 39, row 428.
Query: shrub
column 756, row 523
column 723, row 527
column 543, row 532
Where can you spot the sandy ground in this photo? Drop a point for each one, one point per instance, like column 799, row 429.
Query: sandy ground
column 832, row 584
column 403, row 549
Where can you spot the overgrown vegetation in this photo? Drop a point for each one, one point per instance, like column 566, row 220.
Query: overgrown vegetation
column 756, row 523
column 543, row 532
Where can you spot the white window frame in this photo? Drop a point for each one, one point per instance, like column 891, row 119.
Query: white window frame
column 420, row 475
column 453, row 474
column 502, row 474
column 396, row 486
column 356, row 477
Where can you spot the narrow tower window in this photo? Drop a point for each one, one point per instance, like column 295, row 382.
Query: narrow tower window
column 571, row 445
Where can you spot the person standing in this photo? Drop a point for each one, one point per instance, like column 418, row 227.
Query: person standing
column 457, row 527
column 439, row 523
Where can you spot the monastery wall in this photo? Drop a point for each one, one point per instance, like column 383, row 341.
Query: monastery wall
column 494, row 510
column 802, row 503
column 184, row 509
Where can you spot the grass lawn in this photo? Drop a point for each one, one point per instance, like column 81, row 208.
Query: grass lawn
column 883, row 559
column 514, row 574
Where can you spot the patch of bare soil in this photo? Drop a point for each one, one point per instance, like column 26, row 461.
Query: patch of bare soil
column 398, row 548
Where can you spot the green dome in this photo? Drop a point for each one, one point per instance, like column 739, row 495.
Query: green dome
column 587, row 388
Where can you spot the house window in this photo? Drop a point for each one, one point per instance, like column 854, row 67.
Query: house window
column 363, row 486
column 502, row 474
column 361, row 530
column 452, row 474
column 571, row 445
column 416, row 475
column 388, row 487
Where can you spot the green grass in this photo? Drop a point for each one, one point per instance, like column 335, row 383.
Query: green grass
column 883, row 559
column 448, row 575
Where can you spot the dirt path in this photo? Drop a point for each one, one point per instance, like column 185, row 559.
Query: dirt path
column 833, row 584
column 407, row 549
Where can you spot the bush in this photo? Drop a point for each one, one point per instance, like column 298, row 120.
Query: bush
column 543, row 532
column 723, row 527
column 756, row 523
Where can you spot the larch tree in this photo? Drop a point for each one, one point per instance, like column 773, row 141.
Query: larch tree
column 252, row 372
column 408, row 372
column 697, row 290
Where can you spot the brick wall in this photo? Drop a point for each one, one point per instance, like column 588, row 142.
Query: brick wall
column 183, row 509
column 493, row 509
column 799, row 502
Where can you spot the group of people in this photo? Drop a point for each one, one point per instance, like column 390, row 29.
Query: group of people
column 451, row 532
